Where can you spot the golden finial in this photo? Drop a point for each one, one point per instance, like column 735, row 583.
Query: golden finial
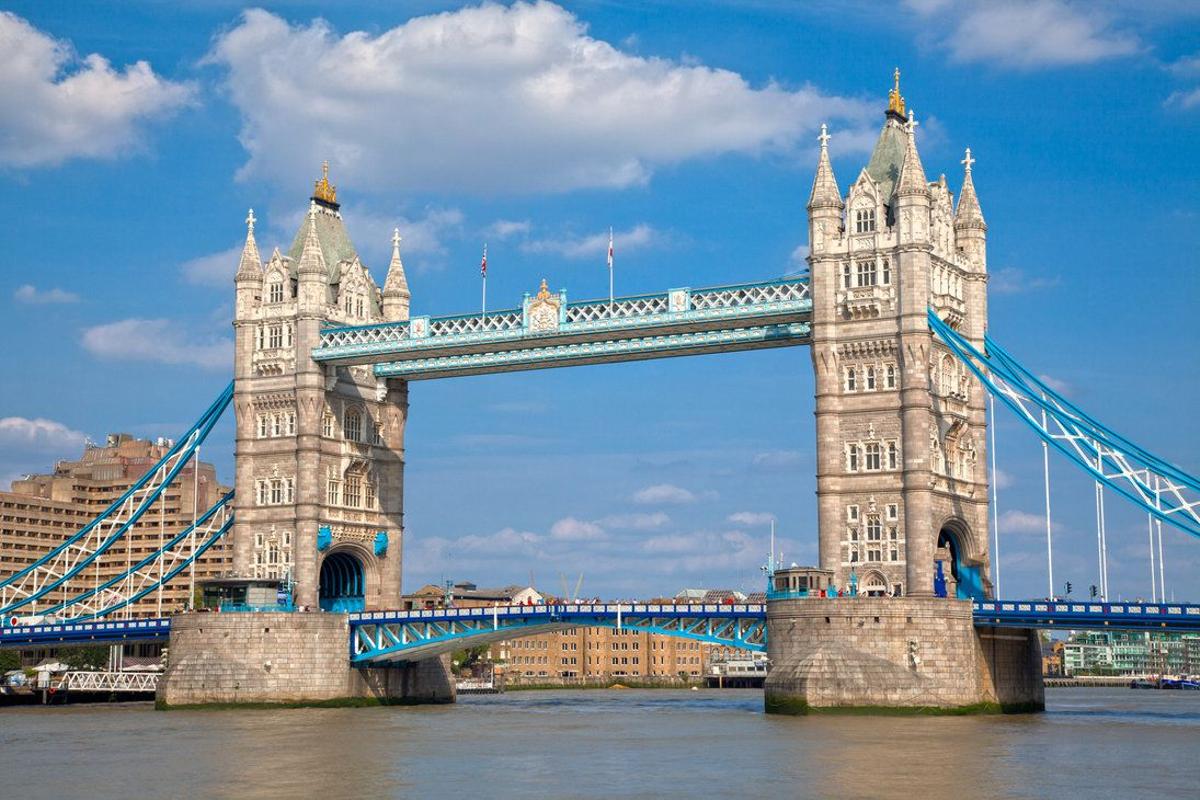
column 895, row 100
column 322, row 190
column 544, row 291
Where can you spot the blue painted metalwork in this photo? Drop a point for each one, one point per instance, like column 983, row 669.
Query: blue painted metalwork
column 381, row 543
column 382, row 637
column 939, row 580
column 1156, row 485
column 81, row 633
column 195, row 437
column 678, row 322
column 174, row 541
column 324, row 538
column 218, row 406
column 1171, row 617
column 341, row 587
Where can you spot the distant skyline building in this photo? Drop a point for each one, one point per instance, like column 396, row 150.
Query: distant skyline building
column 40, row 512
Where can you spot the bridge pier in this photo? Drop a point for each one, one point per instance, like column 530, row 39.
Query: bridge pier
column 276, row 658
column 913, row 654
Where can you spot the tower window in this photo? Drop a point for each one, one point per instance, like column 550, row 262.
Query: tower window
column 873, row 456
column 874, row 529
column 353, row 491
column 845, row 276
column 889, row 376
column 851, row 379
column 852, row 458
column 893, row 512
column 866, row 273
column 333, row 493
column 852, row 513
column 352, row 426
column 870, row 379
column 893, row 456
column 275, row 292
column 887, row 273
column 327, row 425
column 275, row 337
column 864, row 220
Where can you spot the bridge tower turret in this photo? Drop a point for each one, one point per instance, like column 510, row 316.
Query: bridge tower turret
column 901, row 467
column 320, row 463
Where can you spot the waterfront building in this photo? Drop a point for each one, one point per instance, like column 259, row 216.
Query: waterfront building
column 42, row 511
column 601, row 654
column 1131, row 653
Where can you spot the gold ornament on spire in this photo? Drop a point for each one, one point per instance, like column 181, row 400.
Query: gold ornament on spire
column 895, row 99
column 322, row 189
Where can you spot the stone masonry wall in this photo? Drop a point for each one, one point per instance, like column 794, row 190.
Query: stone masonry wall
column 284, row 658
column 909, row 653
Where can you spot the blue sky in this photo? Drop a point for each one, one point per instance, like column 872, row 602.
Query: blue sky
column 136, row 136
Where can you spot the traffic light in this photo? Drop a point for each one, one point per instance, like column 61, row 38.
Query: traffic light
column 1068, row 587
column 1093, row 591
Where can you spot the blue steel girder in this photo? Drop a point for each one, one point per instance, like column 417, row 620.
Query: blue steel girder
column 547, row 331
column 393, row 636
column 1072, row 615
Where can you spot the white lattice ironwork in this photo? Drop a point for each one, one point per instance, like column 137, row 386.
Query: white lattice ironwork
column 367, row 334
column 750, row 294
column 115, row 682
column 493, row 322
column 625, row 307
column 66, row 562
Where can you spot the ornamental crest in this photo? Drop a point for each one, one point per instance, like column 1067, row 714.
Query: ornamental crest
column 542, row 313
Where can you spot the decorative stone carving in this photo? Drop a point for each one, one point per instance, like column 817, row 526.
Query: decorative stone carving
column 543, row 311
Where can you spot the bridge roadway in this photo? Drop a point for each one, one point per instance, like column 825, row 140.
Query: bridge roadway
column 379, row 637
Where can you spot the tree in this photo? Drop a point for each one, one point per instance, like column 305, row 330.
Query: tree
column 85, row 657
column 9, row 659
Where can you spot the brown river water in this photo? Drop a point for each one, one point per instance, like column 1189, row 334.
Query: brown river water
column 1090, row 744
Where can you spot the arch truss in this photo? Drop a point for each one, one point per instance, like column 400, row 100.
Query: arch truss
column 380, row 637
column 56, row 569
column 1161, row 488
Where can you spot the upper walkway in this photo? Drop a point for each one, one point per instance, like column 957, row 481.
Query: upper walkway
column 548, row 331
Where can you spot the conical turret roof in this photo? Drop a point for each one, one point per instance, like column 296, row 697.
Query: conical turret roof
column 250, row 264
column 825, row 192
column 968, row 214
column 912, row 172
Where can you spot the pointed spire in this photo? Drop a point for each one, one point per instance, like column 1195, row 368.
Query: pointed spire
column 912, row 173
column 825, row 192
column 968, row 214
column 396, row 283
column 312, row 260
column 251, row 263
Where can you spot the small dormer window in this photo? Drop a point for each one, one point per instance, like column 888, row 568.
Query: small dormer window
column 275, row 292
column 864, row 220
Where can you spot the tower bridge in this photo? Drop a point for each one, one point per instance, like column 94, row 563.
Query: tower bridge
column 894, row 313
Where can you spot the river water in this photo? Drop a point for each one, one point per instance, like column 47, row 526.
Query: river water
column 1091, row 744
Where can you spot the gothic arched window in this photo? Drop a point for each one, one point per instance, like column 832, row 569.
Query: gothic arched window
column 275, row 290
column 873, row 456
column 352, row 426
column 851, row 379
column 870, row 379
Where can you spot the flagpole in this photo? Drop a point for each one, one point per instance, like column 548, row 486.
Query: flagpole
column 610, row 270
column 483, row 273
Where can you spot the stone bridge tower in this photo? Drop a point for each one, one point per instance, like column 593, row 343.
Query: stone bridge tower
column 901, row 467
column 320, row 450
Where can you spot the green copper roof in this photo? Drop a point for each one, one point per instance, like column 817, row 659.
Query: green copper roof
column 884, row 167
column 335, row 243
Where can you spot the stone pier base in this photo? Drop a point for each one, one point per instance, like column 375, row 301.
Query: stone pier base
column 897, row 655
column 285, row 659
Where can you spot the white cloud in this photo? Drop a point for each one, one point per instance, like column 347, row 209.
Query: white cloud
column 663, row 494
column 777, row 459
column 573, row 530
column 1036, row 33
column 751, row 518
column 32, row 295
column 799, row 255
column 1014, row 521
column 1186, row 100
column 1011, row 280
column 57, row 106
column 596, row 244
column 38, row 433
column 636, row 522
column 1057, row 384
column 506, row 228
column 493, row 99
column 1003, row 479
column 214, row 269
column 159, row 340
